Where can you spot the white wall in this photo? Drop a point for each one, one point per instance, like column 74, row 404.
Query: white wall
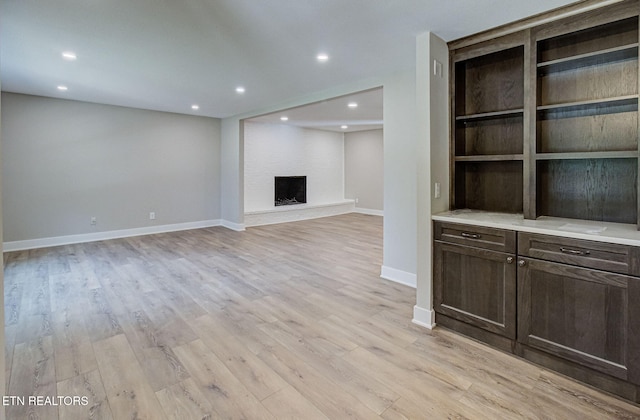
column 400, row 202
column 281, row 150
column 364, row 169
column 433, row 161
column 400, row 224
column 66, row 161
column 232, row 173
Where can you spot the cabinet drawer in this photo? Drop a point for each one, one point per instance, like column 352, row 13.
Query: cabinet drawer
column 477, row 236
column 615, row 258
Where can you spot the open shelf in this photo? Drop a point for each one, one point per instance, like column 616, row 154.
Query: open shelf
column 489, row 185
column 491, row 115
column 588, row 189
column 488, row 158
column 588, row 155
column 561, row 140
column 624, row 52
column 491, row 84
column 621, row 101
column 492, row 136
column 590, row 41
column 596, row 126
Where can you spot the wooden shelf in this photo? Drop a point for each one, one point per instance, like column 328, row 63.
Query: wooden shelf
column 618, row 100
column 624, row 154
column 489, row 158
column 491, row 115
column 623, row 52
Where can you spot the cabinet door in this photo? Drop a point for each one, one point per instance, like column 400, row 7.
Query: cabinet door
column 476, row 286
column 579, row 314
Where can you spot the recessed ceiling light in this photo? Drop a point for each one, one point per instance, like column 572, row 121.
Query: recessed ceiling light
column 62, row 88
column 283, row 118
column 322, row 57
column 240, row 89
column 195, row 107
column 344, row 127
column 352, row 105
column 68, row 55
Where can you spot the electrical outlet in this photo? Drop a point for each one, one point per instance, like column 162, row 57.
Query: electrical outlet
column 152, row 215
column 436, row 190
column 94, row 220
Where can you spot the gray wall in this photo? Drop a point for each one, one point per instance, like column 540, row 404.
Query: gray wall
column 66, row 161
column 400, row 177
column 433, row 160
column 364, row 168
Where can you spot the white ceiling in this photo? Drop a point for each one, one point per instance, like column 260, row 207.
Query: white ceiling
column 333, row 114
column 167, row 55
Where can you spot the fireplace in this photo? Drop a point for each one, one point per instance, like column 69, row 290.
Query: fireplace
column 290, row 190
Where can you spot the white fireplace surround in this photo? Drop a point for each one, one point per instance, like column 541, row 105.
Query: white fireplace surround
column 272, row 150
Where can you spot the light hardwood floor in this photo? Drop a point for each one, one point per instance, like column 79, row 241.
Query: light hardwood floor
column 288, row 321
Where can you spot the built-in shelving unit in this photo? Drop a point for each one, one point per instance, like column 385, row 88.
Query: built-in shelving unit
column 489, row 110
column 587, row 123
column 544, row 125
column 545, row 122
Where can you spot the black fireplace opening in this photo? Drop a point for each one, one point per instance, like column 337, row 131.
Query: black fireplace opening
column 290, row 190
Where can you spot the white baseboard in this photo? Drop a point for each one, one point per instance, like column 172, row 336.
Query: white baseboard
column 238, row 227
column 284, row 214
column 424, row 317
column 399, row 276
column 370, row 212
column 101, row 236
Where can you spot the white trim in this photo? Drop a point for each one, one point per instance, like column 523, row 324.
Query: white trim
column 238, row 227
column 424, row 317
column 101, row 236
column 284, row 214
column 370, row 212
column 398, row 276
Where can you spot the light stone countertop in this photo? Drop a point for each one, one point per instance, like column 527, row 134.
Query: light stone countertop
column 617, row 233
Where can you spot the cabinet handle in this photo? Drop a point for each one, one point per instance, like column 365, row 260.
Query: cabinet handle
column 573, row 251
column 522, row 263
column 509, row 260
column 470, row 235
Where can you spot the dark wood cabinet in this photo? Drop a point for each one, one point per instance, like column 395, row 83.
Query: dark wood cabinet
column 579, row 314
column 476, row 286
column 544, row 121
column 475, row 277
column 544, row 124
column 572, row 305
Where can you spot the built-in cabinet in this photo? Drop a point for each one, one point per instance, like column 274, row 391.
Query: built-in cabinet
column 569, row 304
column 475, row 276
column 545, row 120
column 576, row 301
column 544, row 124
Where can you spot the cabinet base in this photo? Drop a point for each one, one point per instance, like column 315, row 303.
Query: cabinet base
column 583, row 374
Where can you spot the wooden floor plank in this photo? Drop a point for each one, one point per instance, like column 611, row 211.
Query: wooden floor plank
column 226, row 394
column 288, row 403
column 254, row 374
column 33, row 375
column 128, row 390
column 185, row 401
column 328, row 396
column 92, row 399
